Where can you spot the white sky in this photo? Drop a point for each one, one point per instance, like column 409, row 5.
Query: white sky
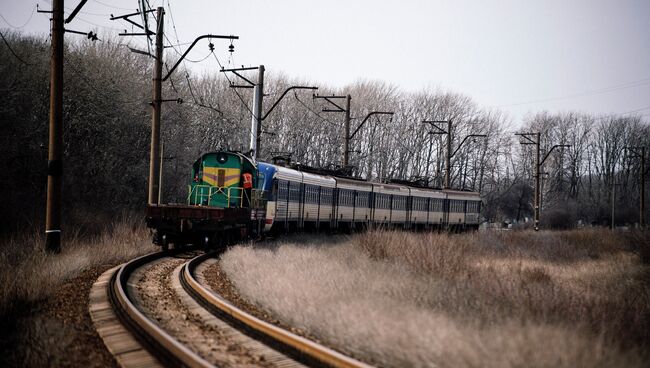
column 521, row 56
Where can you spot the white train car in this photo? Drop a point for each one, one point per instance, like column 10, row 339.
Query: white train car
column 389, row 204
column 299, row 199
column 353, row 202
column 318, row 192
column 458, row 203
column 427, row 207
column 288, row 201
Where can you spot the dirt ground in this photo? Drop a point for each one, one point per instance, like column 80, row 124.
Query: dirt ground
column 58, row 331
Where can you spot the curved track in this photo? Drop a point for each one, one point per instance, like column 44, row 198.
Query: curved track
column 299, row 348
column 135, row 339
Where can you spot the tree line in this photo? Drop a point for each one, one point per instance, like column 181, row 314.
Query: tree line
column 107, row 91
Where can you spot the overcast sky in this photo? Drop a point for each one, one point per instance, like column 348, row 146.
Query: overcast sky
column 521, row 56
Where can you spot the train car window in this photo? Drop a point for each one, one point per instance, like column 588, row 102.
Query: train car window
column 294, row 192
column 282, row 190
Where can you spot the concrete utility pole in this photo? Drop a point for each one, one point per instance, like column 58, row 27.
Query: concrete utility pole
column 55, row 148
column 534, row 139
column 258, row 99
column 346, row 132
column 448, row 154
column 538, row 178
column 639, row 152
column 642, row 194
column 448, row 157
column 154, row 154
column 346, row 140
column 256, row 124
column 613, row 225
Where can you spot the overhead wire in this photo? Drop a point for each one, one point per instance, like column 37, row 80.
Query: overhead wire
column 234, row 89
column 24, row 24
column 314, row 112
column 617, row 87
column 12, row 50
column 111, row 6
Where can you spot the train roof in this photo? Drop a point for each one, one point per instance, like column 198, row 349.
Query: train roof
column 286, row 173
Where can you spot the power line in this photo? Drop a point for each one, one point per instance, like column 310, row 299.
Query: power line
column 24, row 24
column 637, row 110
column 234, row 89
column 617, row 87
column 314, row 112
column 111, row 6
column 12, row 50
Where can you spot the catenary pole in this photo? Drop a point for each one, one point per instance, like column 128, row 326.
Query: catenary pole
column 256, row 124
column 156, row 104
column 538, row 175
column 346, row 139
column 345, row 161
column 642, row 194
column 448, row 156
column 55, row 154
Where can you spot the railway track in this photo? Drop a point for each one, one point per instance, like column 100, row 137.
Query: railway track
column 128, row 317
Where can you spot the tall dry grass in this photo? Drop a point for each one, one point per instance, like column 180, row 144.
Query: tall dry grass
column 576, row 298
column 29, row 274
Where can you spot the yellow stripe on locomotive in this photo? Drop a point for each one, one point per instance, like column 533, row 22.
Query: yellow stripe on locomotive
column 217, row 180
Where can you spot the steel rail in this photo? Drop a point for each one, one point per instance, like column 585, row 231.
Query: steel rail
column 313, row 352
column 158, row 342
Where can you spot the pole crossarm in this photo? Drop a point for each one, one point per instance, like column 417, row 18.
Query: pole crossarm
column 527, row 138
column 235, row 71
column 464, row 140
column 190, row 48
column 329, row 99
column 635, row 154
column 551, row 150
column 275, row 104
column 239, row 69
column 251, row 84
column 75, row 11
column 130, row 15
column 438, row 130
column 366, row 119
column 126, row 18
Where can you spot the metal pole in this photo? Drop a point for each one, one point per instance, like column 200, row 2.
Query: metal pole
column 537, row 182
column 155, row 113
column 257, row 112
column 160, row 172
column 55, row 157
column 448, row 156
column 254, row 118
column 642, row 195
column 346, row 137
column 613, row 197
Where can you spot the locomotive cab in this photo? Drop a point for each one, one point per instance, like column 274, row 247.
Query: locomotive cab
column 223, row 179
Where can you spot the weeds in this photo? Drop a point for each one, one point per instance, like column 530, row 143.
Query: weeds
column 575, row 298
column 28, row 273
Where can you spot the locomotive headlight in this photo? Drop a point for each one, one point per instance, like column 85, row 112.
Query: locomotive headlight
column 222, row 158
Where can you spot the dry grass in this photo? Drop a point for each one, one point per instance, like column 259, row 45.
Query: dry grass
column 577, row 298
column 28, row 274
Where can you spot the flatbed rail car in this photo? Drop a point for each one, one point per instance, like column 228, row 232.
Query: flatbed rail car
column 188, row 224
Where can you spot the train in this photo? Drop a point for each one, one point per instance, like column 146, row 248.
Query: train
column 231, row 197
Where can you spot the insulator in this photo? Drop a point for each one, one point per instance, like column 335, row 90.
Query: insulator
column 231, row 48
column 211, row 46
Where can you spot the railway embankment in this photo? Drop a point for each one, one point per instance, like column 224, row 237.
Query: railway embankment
column 44, row 319
column 574, row 298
